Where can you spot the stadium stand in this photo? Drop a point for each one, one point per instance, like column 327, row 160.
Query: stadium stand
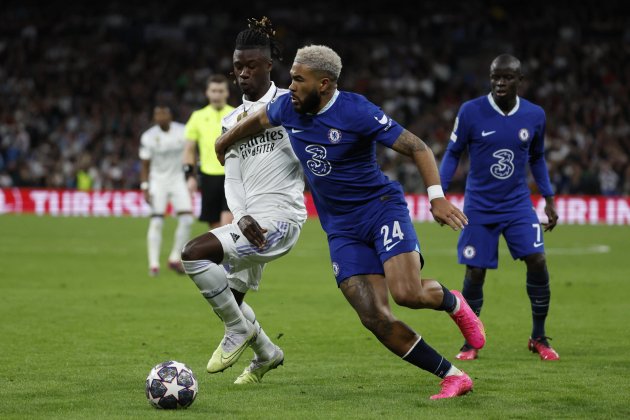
column 78, row 82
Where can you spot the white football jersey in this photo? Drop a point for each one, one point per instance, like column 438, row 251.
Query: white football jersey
column 165, row 150
column 270, row 173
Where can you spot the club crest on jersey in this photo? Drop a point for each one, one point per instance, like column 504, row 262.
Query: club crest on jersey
column 241, row 116
column 334, row 135
column 469, row 252
column 335, row 268
column 523, row 134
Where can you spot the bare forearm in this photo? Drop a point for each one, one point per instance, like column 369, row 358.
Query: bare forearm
column 144, row 170
column 246, row 127
column 190, row 152
column 443, row 211
column 410, row 145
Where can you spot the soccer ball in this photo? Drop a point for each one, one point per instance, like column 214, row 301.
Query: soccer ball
column 171, row 385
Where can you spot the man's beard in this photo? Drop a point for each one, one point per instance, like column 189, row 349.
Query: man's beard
column 310, row 102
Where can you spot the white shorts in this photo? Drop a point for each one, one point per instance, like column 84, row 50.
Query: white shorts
column 243, row 261
column 176, row 192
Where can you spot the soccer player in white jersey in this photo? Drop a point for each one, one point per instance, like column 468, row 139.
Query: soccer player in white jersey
column 162, row 181
column 264, row 187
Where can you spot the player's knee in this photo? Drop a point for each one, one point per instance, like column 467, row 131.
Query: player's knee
column 411, row 297
column 155, row 224
column 194, row 251
column 377, row 321
column 536, row 262
column 186, row 219
column 189, row 252
column 204, row 247
column 403, row 299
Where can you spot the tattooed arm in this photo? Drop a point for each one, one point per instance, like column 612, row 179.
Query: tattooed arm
column 443, row 211
column 410, row 145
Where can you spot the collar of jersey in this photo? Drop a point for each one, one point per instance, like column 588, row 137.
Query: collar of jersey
column 159, row 129
column 330, row 103
column 496, row 107
column 266, row 98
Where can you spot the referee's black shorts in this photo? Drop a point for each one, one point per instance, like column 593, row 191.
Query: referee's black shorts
column 212, row 198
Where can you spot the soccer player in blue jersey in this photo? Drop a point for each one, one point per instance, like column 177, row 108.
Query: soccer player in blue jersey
column 373, row 244
column 503, row 133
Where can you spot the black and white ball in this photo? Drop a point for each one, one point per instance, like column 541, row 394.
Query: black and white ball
column 171, row 385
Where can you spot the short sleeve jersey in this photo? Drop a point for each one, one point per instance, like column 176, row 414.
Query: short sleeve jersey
column 337, row 149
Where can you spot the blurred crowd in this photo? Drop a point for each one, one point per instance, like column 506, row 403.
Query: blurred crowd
column 78, row 81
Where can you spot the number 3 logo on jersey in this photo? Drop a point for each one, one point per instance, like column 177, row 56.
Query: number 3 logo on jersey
column 504, row 168
column 318, row 163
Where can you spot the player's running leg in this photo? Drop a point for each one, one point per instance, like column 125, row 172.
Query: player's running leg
column 182, row 234
column 154, row 242
column 473, row 293
column 525, row 241
column 200, row 258
column 539, row 295
column 408, row 290
column 268, row 355
column 368, row 295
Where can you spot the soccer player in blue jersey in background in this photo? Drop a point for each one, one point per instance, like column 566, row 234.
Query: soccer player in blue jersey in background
column 373, row 244
column 503, row 133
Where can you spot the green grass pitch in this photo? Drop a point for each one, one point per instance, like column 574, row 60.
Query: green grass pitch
column 82, row 324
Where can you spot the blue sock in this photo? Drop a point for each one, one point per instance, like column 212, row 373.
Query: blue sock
column 539, row 296
column 425, row 357
column 473, row 292
column 449, row 302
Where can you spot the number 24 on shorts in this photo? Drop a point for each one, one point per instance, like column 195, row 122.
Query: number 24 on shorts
column 396, row 237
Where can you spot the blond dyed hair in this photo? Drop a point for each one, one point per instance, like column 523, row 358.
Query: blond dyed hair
column 320, row 57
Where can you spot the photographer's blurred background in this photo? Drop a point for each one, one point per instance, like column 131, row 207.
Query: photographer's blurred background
column 78, row 80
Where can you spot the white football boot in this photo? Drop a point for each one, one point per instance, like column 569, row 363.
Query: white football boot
column 257, row 368
column 231, row 348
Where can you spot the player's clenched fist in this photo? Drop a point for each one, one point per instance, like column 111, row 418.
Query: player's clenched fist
column 445, row 213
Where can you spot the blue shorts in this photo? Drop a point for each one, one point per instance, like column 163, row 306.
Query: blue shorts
column 478, row 244
column 365, row 246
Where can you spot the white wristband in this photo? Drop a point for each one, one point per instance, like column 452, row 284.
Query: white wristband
column 435, row 191
column 144, row 186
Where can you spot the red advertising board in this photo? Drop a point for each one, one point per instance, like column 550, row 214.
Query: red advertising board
column 590, row 210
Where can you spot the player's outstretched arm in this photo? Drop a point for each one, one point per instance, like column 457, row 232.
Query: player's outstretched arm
column 248, row 126
column 443, row 211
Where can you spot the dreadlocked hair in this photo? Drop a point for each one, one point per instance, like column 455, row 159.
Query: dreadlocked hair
column 259, row 34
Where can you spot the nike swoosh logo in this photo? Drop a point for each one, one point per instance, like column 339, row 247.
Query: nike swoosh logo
column 487, row 133
column 388, row 247
column 293, row 130
column 237, row 354
column 538, row 244
column 382, row 120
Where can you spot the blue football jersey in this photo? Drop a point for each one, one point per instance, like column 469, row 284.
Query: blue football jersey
column 500, row 147
column 337, row 148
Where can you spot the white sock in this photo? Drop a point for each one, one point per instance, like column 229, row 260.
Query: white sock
column 212, row 282
column 453, row 371
column 182, row 233
column 263, row 347
column 154, row 240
